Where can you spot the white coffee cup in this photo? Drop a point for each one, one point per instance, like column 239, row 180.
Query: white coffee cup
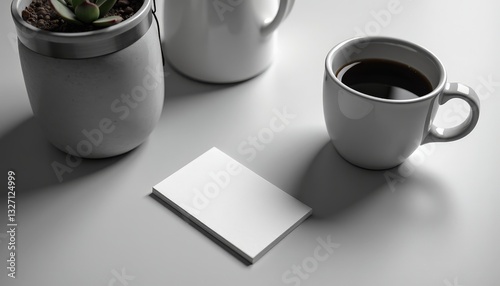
column 377, row 133
column 222, row 41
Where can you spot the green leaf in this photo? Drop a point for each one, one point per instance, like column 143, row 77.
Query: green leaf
column 87, row 12
column 77, row 3
column 105, row 6
column 64, row 12
column 107, row 21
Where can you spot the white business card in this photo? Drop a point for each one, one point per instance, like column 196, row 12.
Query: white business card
column 232, row 203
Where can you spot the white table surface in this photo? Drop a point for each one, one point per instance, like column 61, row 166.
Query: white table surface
column 439, row 225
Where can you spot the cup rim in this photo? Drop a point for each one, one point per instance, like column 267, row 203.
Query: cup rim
column 389, row 40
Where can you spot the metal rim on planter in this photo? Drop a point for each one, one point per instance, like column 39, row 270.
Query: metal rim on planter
column 83, row 44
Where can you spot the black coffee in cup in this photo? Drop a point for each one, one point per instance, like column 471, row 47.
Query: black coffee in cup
column 384, row 79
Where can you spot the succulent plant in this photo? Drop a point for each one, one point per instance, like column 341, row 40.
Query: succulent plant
column 86, row 11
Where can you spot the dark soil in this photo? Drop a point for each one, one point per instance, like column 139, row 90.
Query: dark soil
column 41, row 15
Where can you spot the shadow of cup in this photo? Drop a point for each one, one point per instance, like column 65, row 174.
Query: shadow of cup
column 331, row 184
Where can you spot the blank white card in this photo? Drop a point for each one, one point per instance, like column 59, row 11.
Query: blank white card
column 232, row 203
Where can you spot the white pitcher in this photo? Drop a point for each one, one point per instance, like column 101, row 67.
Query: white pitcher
column 222, row 41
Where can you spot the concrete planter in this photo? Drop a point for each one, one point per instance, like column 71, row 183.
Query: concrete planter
column 95, row 94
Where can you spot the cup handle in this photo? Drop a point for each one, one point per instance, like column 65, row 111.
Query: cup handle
column 456, row 90
column 284, row 9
